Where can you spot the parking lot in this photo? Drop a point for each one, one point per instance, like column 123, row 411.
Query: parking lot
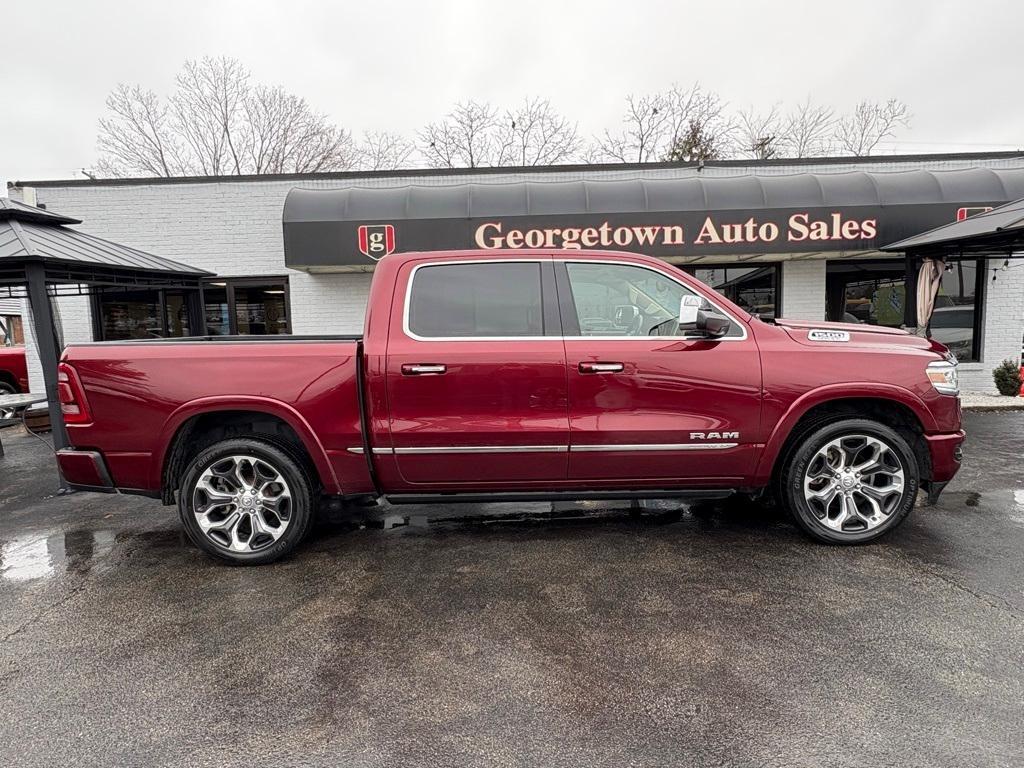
column 517, row 634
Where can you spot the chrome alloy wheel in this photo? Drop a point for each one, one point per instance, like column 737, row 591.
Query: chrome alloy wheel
column 242, row 503
column 854, row 483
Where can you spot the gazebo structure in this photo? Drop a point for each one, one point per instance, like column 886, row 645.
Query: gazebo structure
column 42, row 258
column 997, row 233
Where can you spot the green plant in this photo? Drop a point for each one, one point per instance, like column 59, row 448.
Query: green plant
column 1007, row 377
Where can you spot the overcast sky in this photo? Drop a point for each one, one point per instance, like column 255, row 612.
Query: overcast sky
column 398, row 65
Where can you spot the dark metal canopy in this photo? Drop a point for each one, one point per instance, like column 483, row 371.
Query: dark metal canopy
column 326, row 228
column 999, row 231
column 82, row 263
column 40, row 257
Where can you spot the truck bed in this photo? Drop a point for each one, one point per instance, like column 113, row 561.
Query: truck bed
column 140, row 393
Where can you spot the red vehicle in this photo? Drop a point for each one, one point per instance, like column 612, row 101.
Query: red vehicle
column 520, row 375
column 13, row 372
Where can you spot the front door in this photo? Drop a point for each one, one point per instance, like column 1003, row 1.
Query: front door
column 476, row 375
column 650, row 404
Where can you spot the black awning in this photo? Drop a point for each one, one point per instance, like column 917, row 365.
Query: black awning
column 693, row 216
column 998, row 231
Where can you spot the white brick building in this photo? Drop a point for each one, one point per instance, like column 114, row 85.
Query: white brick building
column 233, row 228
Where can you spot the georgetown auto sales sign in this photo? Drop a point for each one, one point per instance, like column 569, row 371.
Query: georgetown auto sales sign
column 800, row 227
column 326, row 243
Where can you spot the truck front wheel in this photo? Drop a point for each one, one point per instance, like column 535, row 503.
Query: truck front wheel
column 246, row 501
column 851, row 481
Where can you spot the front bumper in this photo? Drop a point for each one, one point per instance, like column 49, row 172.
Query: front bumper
column 85, row 470
column 946, row 451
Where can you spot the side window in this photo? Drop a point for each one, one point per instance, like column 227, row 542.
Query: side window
column 621, row 300
column 467, row 300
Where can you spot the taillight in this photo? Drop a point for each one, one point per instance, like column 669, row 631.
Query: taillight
column 71, row 395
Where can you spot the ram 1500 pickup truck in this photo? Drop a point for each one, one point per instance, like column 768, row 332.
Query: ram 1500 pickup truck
column 518, row 376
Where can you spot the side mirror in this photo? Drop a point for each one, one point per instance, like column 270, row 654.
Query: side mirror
column 712, row 324
column 688, row 308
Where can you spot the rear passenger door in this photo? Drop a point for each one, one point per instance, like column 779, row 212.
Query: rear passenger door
column 476, row 375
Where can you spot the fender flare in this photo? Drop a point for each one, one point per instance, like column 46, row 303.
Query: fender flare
column 832, row 392
column 266, row 405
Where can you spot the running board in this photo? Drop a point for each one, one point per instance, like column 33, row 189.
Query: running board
column 486, row 498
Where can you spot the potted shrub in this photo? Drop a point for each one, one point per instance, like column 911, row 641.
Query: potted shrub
column 1007, row 378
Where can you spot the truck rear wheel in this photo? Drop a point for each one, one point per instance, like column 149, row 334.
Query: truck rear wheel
column 851, row 481
column 246, row 501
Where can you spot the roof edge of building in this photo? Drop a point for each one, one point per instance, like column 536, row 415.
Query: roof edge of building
column 530, row 169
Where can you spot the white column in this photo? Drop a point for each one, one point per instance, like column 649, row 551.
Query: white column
column 803, row 290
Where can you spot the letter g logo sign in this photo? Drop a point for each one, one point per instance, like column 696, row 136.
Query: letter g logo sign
column 376, row 240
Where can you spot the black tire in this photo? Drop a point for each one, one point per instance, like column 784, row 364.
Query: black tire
column 296, row 481
column 810, row 519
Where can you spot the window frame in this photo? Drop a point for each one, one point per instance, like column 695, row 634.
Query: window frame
column 775, row 265
column 980, row 289
column 548, row 294
column 229, row 292
column 96, row 308
column 910, row 292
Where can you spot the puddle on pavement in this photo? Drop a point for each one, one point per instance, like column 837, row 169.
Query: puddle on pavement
column 1017, row 510
column 37, row 556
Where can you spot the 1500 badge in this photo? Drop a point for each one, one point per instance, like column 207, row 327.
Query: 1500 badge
column 819, row 334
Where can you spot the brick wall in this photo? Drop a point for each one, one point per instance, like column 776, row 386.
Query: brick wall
column 1003, row 324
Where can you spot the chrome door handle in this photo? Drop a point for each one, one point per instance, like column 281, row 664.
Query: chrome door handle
column 421, row 369
column 601, row 367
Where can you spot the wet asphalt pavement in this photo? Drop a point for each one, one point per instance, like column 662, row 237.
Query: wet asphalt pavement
column 513, row 636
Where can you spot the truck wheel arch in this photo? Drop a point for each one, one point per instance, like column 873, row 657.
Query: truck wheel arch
column 11, row 380
column 839, row 396
column 178, row 426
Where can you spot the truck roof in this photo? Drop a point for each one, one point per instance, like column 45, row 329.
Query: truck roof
column 513, row 253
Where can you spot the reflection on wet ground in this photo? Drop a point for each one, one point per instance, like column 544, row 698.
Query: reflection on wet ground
column 596, row 633
column 32, row 556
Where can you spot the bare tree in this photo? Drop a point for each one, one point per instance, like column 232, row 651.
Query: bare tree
column 208, row 107
column 662, row 126
column 464, row 139
column 807, row 130
column 700, row 127
column 384, row 151
column 870, row 123
column 535, row 134
column 760, row 135
column 644, row 136
column 279, row 133
column 136, row 136
column 217, row 123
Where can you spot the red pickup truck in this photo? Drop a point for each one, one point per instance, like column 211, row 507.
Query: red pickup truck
column 13, row 373
column 518, row 376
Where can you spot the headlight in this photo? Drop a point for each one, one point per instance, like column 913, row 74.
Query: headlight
column 944, row 378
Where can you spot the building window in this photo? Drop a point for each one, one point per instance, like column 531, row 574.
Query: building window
column 875, row 293
column 755, row 288
column 152, row 314
column 246, row 307
column 956, row 320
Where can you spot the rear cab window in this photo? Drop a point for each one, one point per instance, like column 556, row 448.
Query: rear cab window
column 478, row 300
